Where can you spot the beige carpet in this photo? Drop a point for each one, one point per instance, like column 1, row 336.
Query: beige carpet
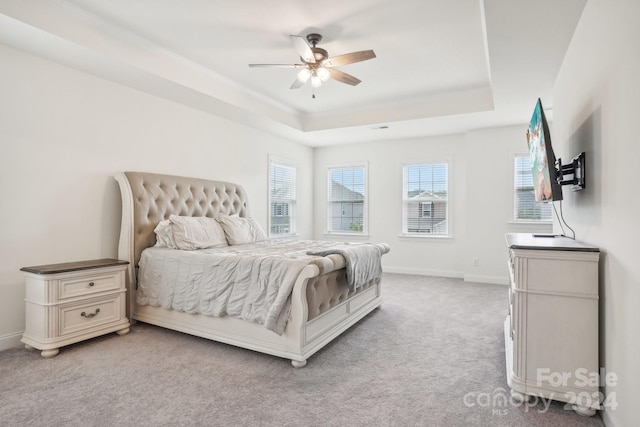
column 432, row 355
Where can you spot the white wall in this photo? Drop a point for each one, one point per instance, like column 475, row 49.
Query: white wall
column 385, row 161
column 481, row 205
column 596, row 105
column 64, row 133
column 490, row 181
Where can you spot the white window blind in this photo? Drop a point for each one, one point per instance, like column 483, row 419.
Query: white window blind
column 282, row 198
column 347, row 204
column 525, row 207
column 426, row 199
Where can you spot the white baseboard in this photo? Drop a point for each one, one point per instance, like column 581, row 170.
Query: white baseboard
column 423, row 272
column 493, row 280
column 10, row 340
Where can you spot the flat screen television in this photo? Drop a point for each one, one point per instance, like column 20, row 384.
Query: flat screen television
column 543, row 160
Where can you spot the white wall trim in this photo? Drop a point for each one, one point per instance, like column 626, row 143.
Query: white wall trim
column 423, row 272
column 493, row 280
column 12, row 340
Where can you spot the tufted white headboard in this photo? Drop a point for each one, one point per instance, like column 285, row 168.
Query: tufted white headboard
column 148, row 198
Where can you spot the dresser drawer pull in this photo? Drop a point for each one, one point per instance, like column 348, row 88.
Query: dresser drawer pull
column 90, row 315
column 91, row 283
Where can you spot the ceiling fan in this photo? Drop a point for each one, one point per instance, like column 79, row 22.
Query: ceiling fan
column 317, row 66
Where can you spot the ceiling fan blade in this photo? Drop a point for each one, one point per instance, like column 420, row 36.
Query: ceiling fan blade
column 348, row 58
column 303, row 49
column 343, row 77
column 297, row 83
column 277, row 65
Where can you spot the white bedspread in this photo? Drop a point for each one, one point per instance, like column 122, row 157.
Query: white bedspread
column 251, row 281
column 362, row 261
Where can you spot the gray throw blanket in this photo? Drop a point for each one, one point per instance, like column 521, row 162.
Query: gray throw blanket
column 363, row 262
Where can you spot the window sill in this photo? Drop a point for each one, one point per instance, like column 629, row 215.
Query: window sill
column 351, row 235
column 540, row 223
column 448, row 238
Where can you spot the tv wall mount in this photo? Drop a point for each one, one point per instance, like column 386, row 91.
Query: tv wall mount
column 576, row 169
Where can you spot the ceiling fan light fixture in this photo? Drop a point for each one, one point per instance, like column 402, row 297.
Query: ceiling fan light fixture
column 316, row 81
column 323, row 73
column 304, row 75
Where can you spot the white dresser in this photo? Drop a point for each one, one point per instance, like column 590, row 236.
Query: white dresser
column 551, row 332
column 71, row 302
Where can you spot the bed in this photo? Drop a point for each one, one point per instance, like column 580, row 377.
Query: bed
column 321, row 304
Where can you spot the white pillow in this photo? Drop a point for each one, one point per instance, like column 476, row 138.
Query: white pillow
column 241, row 230
column 164, row 235
column 197, row 232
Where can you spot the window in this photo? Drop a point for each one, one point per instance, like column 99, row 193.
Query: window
column 347, row 199
column 426, row 209
column 282, row 198
column 525, row 207
column 425, row 197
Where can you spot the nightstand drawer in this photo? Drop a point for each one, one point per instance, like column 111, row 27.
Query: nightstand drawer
column 89, row 314
column 88, row 284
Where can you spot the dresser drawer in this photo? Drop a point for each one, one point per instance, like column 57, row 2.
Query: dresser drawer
column 88, row 314
column 89, row 284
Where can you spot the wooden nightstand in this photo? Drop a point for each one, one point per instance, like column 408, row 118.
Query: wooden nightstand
column 75, row 301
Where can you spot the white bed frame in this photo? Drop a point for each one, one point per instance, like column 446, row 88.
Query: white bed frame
column 321, row 307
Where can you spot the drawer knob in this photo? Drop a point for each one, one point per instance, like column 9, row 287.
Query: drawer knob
column 90, row 315
column 91, row 283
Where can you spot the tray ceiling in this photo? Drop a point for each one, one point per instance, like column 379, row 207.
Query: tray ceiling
column 442, row 66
